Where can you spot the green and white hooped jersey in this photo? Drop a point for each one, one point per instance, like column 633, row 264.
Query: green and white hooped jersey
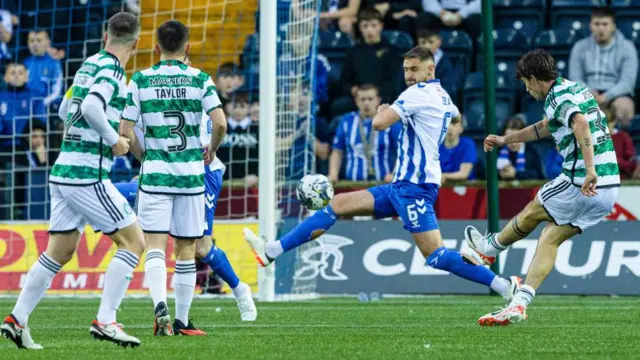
column 169, row 99
column 84, row 159
column 565, row 99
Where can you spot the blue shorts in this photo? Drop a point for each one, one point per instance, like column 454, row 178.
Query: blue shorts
column 212, row 187
column 412, row 202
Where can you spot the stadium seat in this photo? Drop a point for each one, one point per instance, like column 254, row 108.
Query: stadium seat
column 459, row 48
column 481, row 163
column 573, row 12
column 473, row 103
column 630, row 29
column 399, row 39
column 524, row 15
column 558, row 42
column 627, row 14
column 508, row 45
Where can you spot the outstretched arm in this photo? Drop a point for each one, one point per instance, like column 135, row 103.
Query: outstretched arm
column 533, row 132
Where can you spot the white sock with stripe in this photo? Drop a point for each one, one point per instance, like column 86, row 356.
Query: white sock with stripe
column 184, row 283
column 116, row 282
column 155, row 270
column 35, row 286
column 524, row 296
column 492, row 247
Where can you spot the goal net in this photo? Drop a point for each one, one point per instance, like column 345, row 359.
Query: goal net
column 225, row 43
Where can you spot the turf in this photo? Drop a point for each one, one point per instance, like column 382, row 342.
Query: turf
column 409, row 328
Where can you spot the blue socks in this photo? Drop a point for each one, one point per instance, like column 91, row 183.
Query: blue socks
column 452, row 261
column 309, row 229
column 217, row 260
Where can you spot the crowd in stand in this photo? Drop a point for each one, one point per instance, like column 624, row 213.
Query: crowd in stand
column 346, row 93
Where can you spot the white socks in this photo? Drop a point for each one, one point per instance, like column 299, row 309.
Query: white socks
column 116, row 281
column 492, row 247
column 184, row 283
column 273, row 249
column 155, row 270
column 500, row 285
column 524, row 296
column 36, row 284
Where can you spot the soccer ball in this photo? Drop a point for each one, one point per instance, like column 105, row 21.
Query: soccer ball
column 315, row 191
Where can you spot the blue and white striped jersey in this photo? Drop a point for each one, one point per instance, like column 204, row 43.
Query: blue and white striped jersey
column 382, row 146
column 426, row 111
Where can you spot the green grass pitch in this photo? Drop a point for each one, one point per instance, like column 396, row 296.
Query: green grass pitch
column 344, row 328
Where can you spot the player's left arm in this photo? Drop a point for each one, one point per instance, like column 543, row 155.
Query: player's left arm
column 537, row 131
column 213, row 107
column 582, row 132
column 129, row 118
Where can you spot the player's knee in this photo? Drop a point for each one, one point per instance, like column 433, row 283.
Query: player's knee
column 339, row 203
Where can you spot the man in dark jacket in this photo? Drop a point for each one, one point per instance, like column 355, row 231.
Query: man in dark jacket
column 430, row 39
column 373, row 61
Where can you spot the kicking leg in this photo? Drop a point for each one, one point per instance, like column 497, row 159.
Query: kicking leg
column 541, row 265
column 347, row 204
column 217, row 260
column 488, row 247
column 59, row 251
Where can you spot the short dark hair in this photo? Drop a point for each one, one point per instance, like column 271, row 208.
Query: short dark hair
column 227, row 69
column 536, row 63
column 240, row 97
column 423, row 33
column 514, row 123
column 367, row 87
column 172, row 36
column 419, row 53
column 369, row 13
column 123, row 28
column 40, row 30
column 603, row 12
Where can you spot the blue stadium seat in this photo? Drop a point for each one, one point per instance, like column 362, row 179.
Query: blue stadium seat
column 524, row 15
column 473, row 102
column 508, row 45
column 627, row 13
column 630, row 29
column 399, row 39
column 565, row 12
column 558, row 42
column 334, row 44
column 459, row 48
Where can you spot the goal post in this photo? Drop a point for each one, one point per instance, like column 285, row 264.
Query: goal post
column 267, row 140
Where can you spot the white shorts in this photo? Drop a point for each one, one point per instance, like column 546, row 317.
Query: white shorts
column 100, row 205
column 178, row 215
column 565, row 204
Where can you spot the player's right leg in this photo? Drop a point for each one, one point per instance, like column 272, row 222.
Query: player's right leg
column 490, row 245
column 102, row 206
column 362, row 202
column 65, row 227
column 154, row 212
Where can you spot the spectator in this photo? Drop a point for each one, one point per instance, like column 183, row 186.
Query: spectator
column 373, row 61
column 45, row 72
column 430, row 39
column 34, row 154
column 227, row 82
column 17, row 106
column 344, row 12
column 6, row 32
column 458, row 155
column 254, row 109
column 517, row 161
column 553, row 165
column 297, row 59
column 370, row 154
column 607, row 63
column 239, row 149
column 452, row 14
column 400, row 14
column 625, row 152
